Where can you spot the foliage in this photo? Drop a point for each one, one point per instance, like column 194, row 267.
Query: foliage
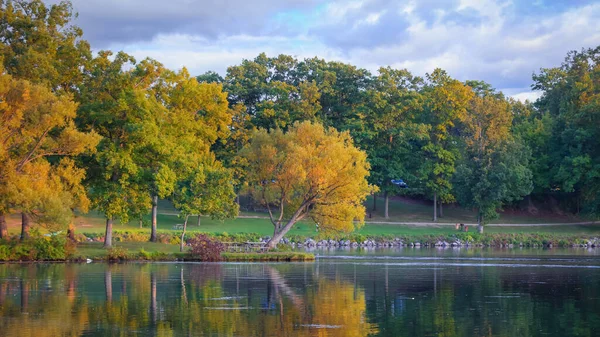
column 394, row 101
column 117, row 254
column 308, row 172
column 569, row 111
column 40, row 44
column 494, row 169
column 205, row 248
column 36, row 248
column 39, row 128
column 445, row 105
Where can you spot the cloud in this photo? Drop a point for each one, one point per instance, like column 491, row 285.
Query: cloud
column 110, row 21
column 499, row 41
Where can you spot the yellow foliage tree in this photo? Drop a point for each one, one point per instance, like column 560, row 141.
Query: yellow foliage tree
column 36, row 124
column 309, row 172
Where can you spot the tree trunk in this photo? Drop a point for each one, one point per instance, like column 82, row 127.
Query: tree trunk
column 182, row 243
column 199, row 220
column 3, row 227
column 108, row 233
column 279, row 234
column 480, row 223
column 141, row 222
column 154, row 213
column 387, row 205
column 71, row 232
column 441, row 210
column 434, row 206
column 25, row 220
column 374, row 202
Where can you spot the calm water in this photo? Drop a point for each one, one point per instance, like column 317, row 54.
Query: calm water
column 411, row 293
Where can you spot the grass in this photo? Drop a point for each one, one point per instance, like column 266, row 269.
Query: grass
column 94, row 250
column 415, row 211
column 269, row 256
column 422, row 211
column 158, row 251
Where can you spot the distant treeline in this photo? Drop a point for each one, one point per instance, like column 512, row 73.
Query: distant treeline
column 105, row 131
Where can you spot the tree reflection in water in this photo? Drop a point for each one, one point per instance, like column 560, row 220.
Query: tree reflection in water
column 339, row 299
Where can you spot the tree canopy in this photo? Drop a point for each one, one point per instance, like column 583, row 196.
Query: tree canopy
column 307, row 172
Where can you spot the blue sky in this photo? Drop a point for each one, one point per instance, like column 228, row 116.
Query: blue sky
column 499, row 41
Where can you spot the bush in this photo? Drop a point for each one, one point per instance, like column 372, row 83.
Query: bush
column 36, row 248
column 117, row 254
column 205, row 248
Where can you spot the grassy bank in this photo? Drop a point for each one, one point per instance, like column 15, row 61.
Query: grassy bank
column 129, row 247
column 400, row 211
column 274, row 256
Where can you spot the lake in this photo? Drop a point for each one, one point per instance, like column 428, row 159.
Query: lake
column 405, row 292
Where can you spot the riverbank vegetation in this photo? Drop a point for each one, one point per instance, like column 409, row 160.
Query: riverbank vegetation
column 132, row 248
column 304, row 140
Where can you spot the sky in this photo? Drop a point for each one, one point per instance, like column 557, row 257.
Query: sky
column 502, row 42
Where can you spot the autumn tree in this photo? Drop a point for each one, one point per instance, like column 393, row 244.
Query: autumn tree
column 446, row 101
column 38, row 129
column 494, row 167
column 310, row 172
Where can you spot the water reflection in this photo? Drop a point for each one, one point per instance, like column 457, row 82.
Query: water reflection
column 331, row 297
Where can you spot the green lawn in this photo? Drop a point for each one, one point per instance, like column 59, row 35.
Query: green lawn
column 423, row 212
column 264, row 227
column 94, row 250
column 94, row 222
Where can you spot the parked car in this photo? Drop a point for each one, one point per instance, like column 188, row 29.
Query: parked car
column 399, row 183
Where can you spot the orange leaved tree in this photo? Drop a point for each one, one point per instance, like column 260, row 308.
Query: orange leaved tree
column 310, row 172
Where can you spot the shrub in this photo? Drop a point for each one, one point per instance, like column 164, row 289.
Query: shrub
column 36, row 248
column 117, row 254
column 144, row 255
column 206, row 248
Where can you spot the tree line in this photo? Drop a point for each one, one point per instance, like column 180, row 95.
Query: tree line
column 80, row 130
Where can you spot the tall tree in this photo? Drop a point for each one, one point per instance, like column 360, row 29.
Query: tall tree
column 495, row 167
column 39, row 43
column 394, row 102
column 115, row 104
column 570, row 106
column 446, row 102
column 37, row 128
column 309, row 172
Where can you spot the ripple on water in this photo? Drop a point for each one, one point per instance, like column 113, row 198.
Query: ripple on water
column 321, row 326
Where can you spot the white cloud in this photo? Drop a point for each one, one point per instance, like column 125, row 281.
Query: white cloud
column 490, row 40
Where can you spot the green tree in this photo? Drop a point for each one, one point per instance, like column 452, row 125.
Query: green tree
column 495, row 167
column 446, row 102
column 39, row 43
column 116, row 105
column 271, row 93
column 570, row 107
column 206, row 189
column 308, row 172
column 394, row 102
